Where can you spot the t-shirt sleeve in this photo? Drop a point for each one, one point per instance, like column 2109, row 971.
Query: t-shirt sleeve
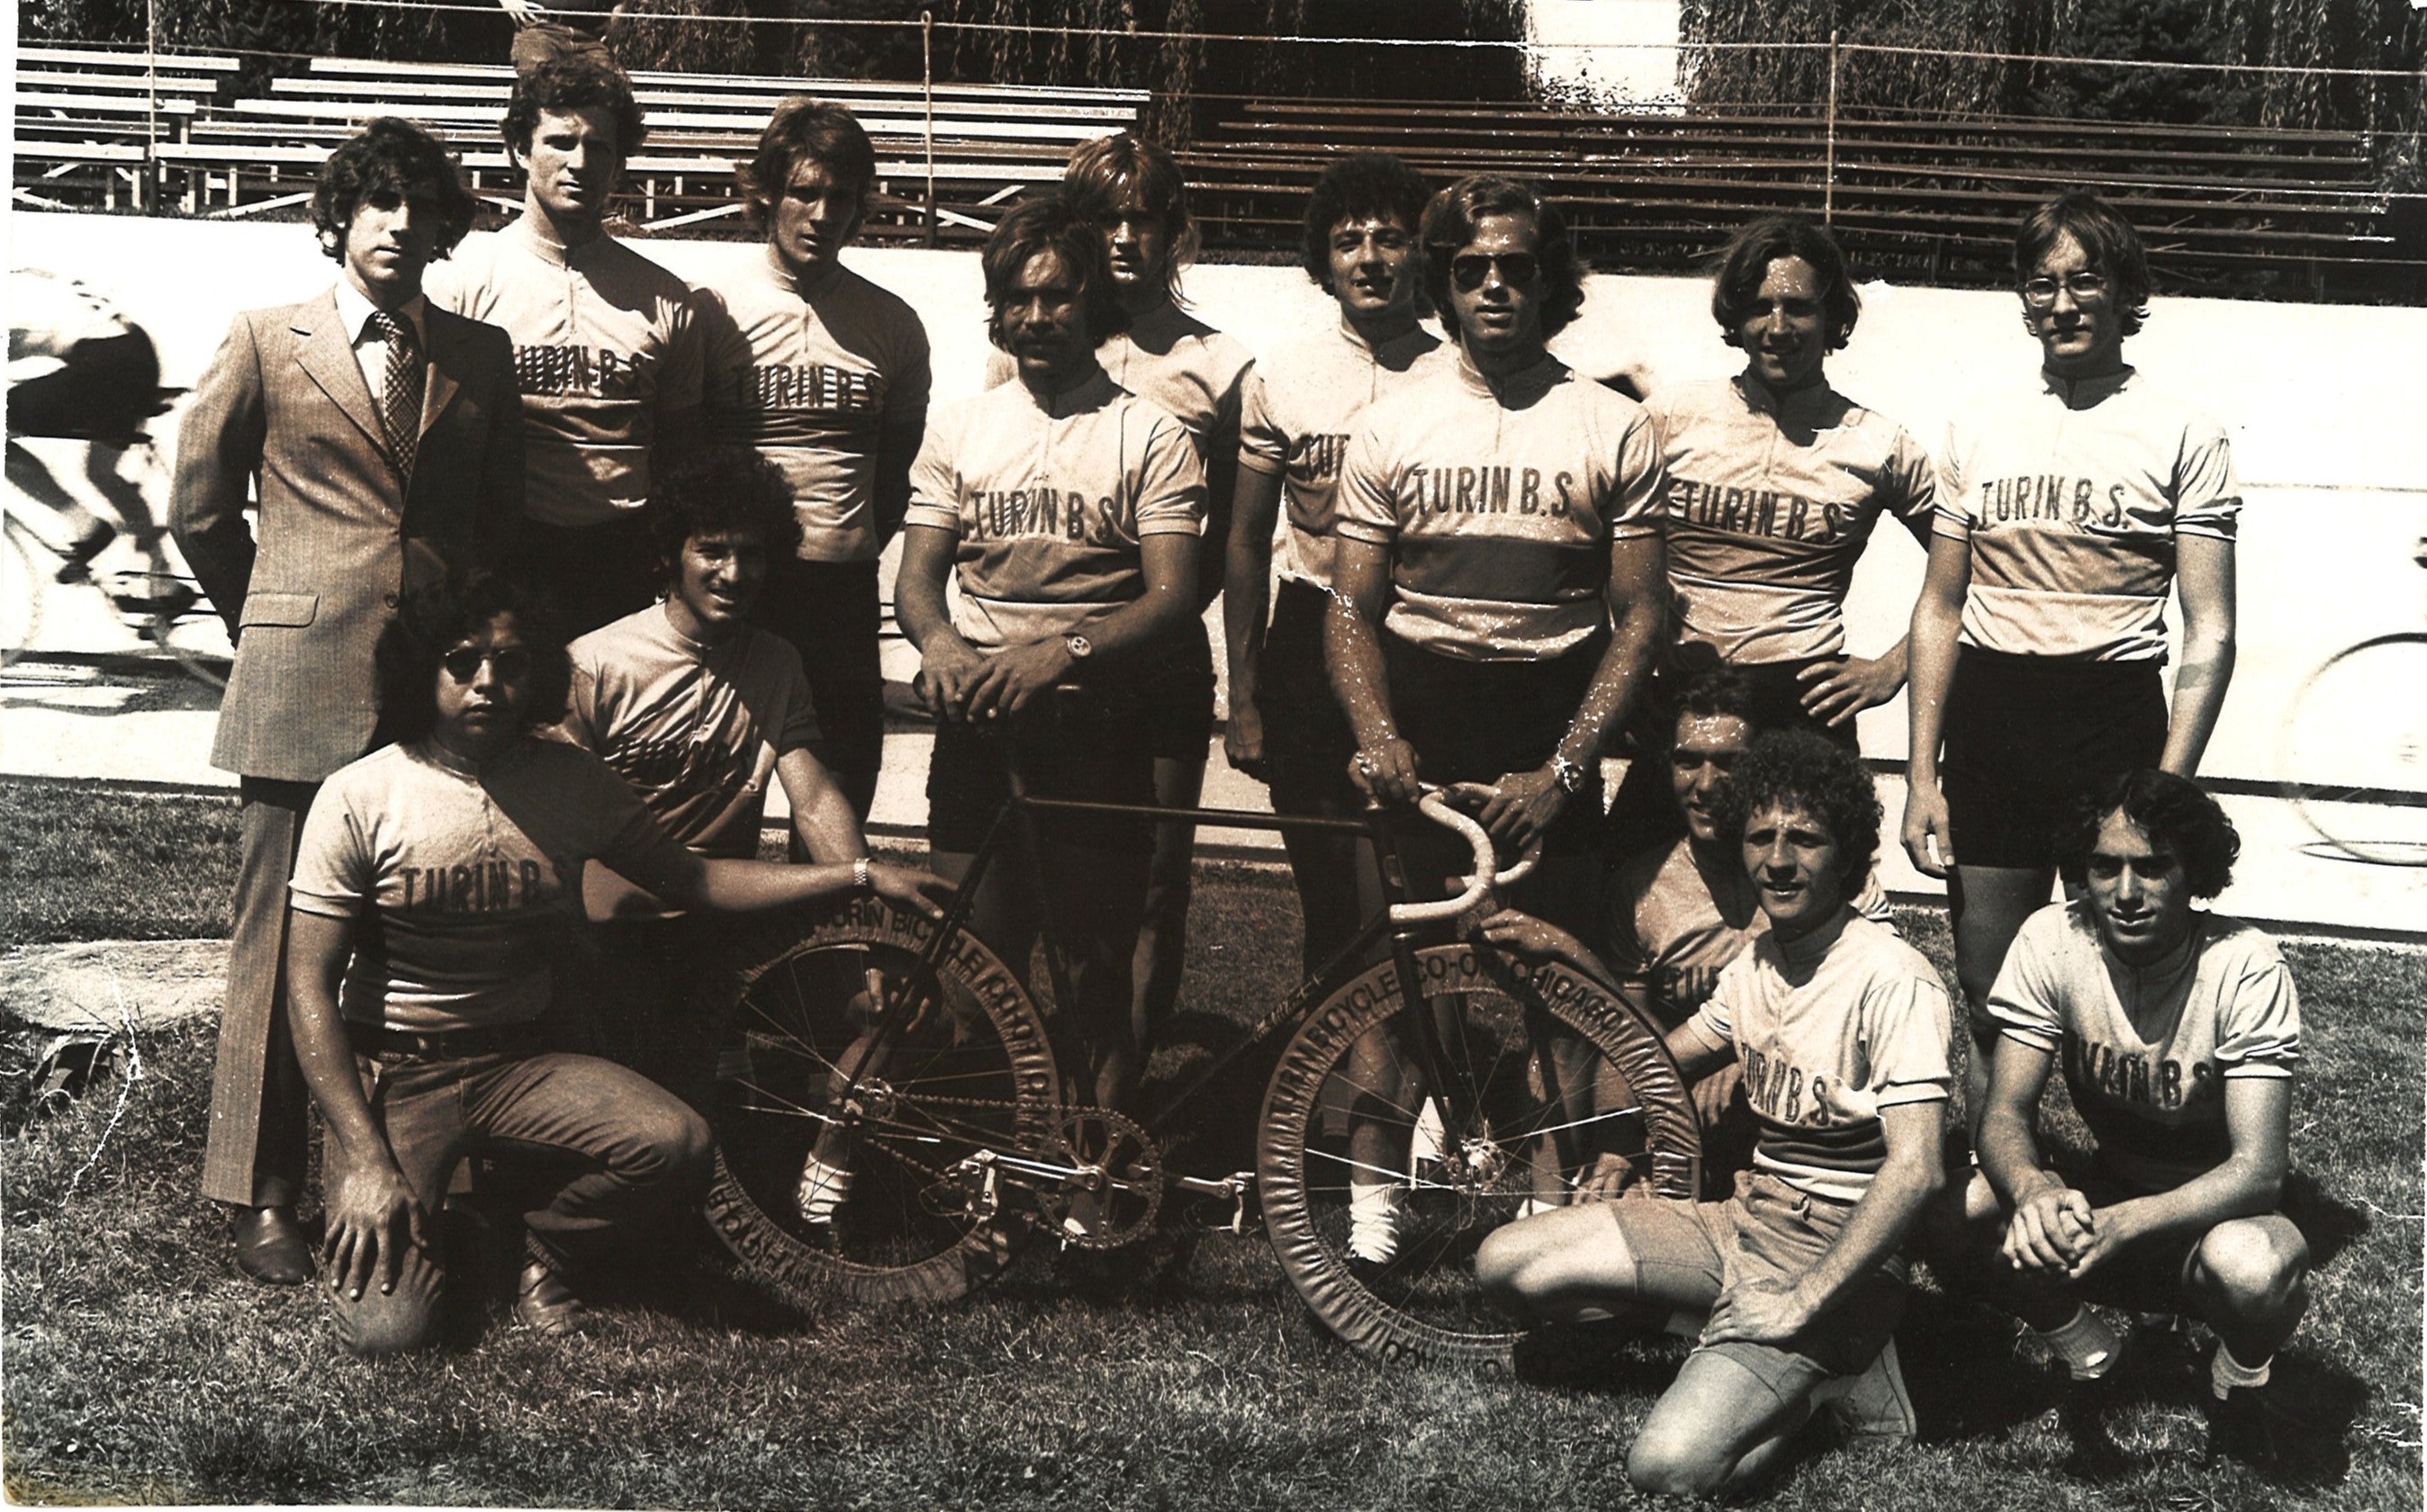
column 798, row 726
column 579, row 725
column 1365, row 506
column 1909, row 1021
column 680, row 379
column 334, row 859
column 1643, row 474
column 1910, row 490
column 1715, row 1022
column 2025, row 1002
column 1952, row 519
column 2207, row 498
column 1263, row 447
column 908, row 391
column 724, row 363
column 935, row 494
column 2260, row 1033
column 1171, row 482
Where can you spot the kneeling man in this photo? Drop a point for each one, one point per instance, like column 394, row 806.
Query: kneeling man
column 1842, row 1031
column 2179, row 1029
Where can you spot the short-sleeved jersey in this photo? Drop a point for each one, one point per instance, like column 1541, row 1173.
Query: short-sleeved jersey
column 695, row 729
column 1299, row 411
column 819, row 382
column 1667, row 919
column 463, row 886
column 1770, row 500
column 1048, row 502
column 2147, row 1051
column 1173, row 362
column 1499, row 499
column 2072, row 495
column 1829, row 1030
column 606, row 343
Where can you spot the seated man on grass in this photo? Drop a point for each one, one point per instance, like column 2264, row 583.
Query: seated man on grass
column 2177, row 1030
column 696, row 709
column 1794, row 1285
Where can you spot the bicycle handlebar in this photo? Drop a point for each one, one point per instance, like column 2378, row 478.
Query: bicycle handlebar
column 1476, row 883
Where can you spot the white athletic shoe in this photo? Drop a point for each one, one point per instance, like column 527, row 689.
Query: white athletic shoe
column 1873, row 1404
column 822, row 1191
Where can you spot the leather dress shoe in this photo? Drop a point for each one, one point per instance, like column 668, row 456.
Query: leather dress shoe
column 545, row 1302
column 270, row 1246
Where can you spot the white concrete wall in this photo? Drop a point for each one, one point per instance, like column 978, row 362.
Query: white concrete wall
column 2323, row 404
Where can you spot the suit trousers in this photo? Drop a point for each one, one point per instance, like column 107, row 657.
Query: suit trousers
column 260, row 1109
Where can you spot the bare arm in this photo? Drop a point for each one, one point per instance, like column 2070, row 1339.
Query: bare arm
column 1352, row 649
column 822, row 816
column 1937, row 615
column 2049, row 1220
column 728, row 887
column 1913, row 1173
column 1247, row 603
column 1524, row 804
column 949, row 666
column 2204, row 573
column 371, row 1212
column 2258, row 1120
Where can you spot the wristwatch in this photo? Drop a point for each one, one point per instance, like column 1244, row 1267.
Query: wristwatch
column 1080, row 647
column 1568, row 775
column 861, row 881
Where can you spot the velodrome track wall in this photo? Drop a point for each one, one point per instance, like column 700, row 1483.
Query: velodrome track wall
column 2323, row 404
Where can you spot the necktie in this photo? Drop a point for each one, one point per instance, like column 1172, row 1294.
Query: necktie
column 400, row 397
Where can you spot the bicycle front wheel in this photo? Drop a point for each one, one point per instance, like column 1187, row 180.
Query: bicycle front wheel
column 914, row 1106
column 2353, row 755
column 1520, row 1082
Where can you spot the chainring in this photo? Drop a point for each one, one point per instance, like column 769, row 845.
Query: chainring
column 1118, row 1204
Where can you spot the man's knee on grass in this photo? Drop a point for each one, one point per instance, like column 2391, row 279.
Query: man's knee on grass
column 392, row 1323
column 1717, row 1427
column 1567, row 1265
column 2250, row 1270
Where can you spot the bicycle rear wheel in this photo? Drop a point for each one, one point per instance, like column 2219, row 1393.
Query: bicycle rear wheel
column 1542, row 1075
column 2353, row 755
column 967, row 1078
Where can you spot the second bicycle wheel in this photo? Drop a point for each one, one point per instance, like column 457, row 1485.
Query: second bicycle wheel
column 914, row 1115
column 2353, row 752
column 1523, row 1081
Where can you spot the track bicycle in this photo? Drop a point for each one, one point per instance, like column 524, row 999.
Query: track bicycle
column 1479, row 1086
column 2351, row 751
column 138, row 574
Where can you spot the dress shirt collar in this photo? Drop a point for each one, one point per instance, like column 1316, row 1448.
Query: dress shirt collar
column 354, row 307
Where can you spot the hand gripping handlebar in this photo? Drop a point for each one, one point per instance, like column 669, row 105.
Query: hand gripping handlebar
column 1479, row 883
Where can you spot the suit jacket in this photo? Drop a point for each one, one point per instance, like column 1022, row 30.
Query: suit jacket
column 342, row 537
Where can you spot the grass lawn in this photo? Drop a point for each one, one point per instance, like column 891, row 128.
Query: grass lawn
column 139, row 1366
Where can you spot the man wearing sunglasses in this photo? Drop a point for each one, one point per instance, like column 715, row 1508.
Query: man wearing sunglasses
column 1496, row 590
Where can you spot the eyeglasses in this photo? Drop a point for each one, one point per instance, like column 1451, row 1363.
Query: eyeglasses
column 1469, row 270
column 2039, row 293
column 510, row 662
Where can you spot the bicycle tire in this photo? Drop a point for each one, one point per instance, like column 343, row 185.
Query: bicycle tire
column 2352, row 756
column 21, row 586
column 1514, row 1020
column 973, row 1075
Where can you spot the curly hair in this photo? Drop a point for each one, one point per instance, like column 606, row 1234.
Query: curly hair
column 2104, row 238
column 571, row 83
column 1351, row 187
column 1049, row 222
column 1109, row 172
column 1800, row 770
column 2174, row 813
column 1722, row 692
column 390, row 156
column 716, row 491
column 436, row 620
column 1743, row 264
column 803, row 129
column 1449, row 226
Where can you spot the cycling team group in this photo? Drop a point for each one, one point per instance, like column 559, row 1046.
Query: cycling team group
column 559, row 560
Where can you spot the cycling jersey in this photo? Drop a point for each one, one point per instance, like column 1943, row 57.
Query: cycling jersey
column 606, row 344
column 1499, row 499
column 1297, row 413
column 817, row 382
column 2147, row 1051
column 1769, row 501
column 2072, row 495
column 1050, row 502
